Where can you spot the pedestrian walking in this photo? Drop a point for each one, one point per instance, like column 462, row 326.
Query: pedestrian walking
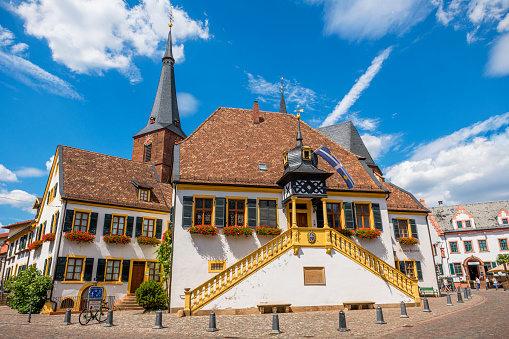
column 495, row 283
column 478, row 283
column 446, row 286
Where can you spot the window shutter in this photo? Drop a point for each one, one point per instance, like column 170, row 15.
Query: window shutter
column 93, row 223
column 170, row 225
column 45, row 265
column 413, row 228
column 89, row 266
column 139, row 227
column 251, row 212
column 319, row 216
column 129, row 227
column 451, row 268
column 419, row 269
column 187, row 212
column 396, row 228
column 44, row 228
column 99, row 273
column 60, row 271
column 50, row 260
column 272, row 213
column 55, row 225
column 220, row 211
column 377, row 216
column 441, row 270
column 348, row 208
column 126, row 265
column 107, row 224
column 69, row 215
column 55, row 191
column 52, row 224
column 159, row 228
column 494, row 264
column 402, row 267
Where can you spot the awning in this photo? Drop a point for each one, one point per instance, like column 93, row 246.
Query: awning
column 499, row 268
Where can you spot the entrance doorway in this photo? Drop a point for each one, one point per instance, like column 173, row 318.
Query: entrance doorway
column 473, row 272
column 302, row 219
column 137, row 275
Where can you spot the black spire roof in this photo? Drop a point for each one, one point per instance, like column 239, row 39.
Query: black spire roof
column 165, row 112
column 282, row 103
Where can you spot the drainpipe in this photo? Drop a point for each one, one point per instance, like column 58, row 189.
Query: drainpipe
column 434, row 262
column 59, row 237
column 174, row 190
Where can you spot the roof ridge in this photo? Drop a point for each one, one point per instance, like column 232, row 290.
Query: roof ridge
column 106, row 155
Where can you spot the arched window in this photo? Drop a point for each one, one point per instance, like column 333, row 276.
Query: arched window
column 67, row 303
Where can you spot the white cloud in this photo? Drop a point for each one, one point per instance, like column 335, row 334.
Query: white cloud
column 98, row 35
column 49, row 163
column 469, row 167
column 14, row 65
column 188, row 104
column 381, row 144
column 498, row 63
column 7, row 175
column 355, row 92
column 18, row 198
column 368, row 124
column 30, row 172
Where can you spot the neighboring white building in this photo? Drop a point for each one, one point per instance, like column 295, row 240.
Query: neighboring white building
column 468, row 238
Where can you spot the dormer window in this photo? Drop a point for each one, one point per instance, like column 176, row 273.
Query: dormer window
column 505, row 221
column 143, row 189
column 285, row 158
column 306, row 153
column 144, row 194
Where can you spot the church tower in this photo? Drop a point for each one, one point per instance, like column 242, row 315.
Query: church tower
column 154, row 143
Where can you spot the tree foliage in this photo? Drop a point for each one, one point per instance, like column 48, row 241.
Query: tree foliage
column 151, row 295
column 29, row 285
column 164, row 258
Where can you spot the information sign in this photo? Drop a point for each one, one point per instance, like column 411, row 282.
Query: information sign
column 96, row 293
column 94, row 305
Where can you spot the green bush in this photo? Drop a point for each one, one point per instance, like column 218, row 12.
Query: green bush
column 151, row 295
column 28, row 285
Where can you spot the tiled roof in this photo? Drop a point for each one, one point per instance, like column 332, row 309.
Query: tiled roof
column 21, row 223
column 401, row 200
column 100, row 178
column 227, row 147
column 484, row 214
column 4, row 235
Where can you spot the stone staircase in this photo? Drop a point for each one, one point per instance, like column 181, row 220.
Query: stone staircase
column 128, row 303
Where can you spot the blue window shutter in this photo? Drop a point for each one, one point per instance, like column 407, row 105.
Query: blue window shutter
column 396, row 228
column 419, row 269
column 377, row 216
column 107, row 224
column 251, row 212
column 187, row 212
column 220, row 211
column 348, row 208
column 413, row 228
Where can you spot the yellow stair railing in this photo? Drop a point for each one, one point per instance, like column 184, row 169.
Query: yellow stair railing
column 295, row 238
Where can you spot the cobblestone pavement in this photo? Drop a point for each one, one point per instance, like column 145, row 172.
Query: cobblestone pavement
column 484, row 316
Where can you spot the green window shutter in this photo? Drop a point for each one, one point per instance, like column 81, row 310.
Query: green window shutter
column 60, row 270
column 494, row 264
column 251, row 212
column 45, row 265
column 126, row 266
column 107, row 224
column 263, row 211
column 139, row 227
column 159, row 228
column 89, row 267
column 55, row 225
column 93, row 223
column 396, row 228
column 187, row 212
column 377, row 216
column 99, row 273
column 319, row 216
column 49, row 265
column 451, row 269
column 402, row 267
column 348, row 208
column 69, row 215
column 129, row 227
column 272, row 213
column 419, row 269
column 413, row 228
column 220, row 212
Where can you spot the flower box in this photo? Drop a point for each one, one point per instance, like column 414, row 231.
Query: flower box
column 34, row 245
column 152, row 241
column 236, row 231
column 265, row 230
column 408, row 241
column 367, row 233
column 79, row 236
column 117, row 239
column 345, row 231
column 204, row 230
column 49, row 237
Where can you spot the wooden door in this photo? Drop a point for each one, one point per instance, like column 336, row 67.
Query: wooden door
column 137, row 275
column 302, row 219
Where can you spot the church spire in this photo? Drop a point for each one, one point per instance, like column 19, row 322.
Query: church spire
column 299, row 135
column 165, row 112
column 282, row 104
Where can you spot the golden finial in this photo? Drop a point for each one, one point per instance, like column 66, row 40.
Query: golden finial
column 299, row 111
column 170, row 16
column 281, row 83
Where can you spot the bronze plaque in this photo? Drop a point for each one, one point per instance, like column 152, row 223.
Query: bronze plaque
column 314, row 275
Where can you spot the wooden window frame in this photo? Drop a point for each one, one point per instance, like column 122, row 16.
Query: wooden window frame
column 144, row 190
column 213, row 215
column 397, row 263
column 454, row 266
column 73, row 281
column 457, row 247
column 479, row 244
column 341, row 212
column 409, row 229
column 143, row 227
column 465, row 247
column 118, row 216
column 153, row 275
column 111, row 259
column 211, row 262
column 227, row 222
column 258, row 209
column 81, row 211
column 506, row 244
column 370, row 213
column 314, row 268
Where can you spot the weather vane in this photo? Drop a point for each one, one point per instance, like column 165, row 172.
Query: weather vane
column 299, row 111
column 170, row 16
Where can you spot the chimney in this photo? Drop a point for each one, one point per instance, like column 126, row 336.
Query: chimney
column 440, row 203
column 256, row 113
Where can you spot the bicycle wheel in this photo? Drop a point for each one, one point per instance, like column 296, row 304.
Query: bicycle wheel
column 84, row 317
column 102, row 315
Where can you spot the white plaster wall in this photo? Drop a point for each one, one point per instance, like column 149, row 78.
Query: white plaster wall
column 283, row 281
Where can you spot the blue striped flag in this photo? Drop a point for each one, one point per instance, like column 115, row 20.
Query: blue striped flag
column 327, row 155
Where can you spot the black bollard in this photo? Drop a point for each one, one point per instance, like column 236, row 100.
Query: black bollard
column 109, row 319
column 159, row 320
column 212, row 323
column 465, row 294
column 67, row 317
column 379, row 316
column 342, row 322
column 275, row 324
column 426, row 305
column 449, row 301
column 460, row 300
column 30, row 311
column 403, row 310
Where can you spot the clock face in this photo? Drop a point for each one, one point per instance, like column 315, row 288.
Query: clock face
column 148, row 140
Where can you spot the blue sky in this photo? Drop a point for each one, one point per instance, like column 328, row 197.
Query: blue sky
column 425, row 81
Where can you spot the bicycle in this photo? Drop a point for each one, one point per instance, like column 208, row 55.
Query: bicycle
column 100, row 315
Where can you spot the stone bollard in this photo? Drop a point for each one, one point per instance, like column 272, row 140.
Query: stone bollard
column 379, row 316
column 30, row 311
column 342, row 322
column 159, row 320
column 469, row 293
column 275, row 324
column 449, row 301
column 403, row 310
column 67, row 317
column 465, row 294
column 109, row 319
column 426, row 305
column 460, row 300
column 212, row 323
